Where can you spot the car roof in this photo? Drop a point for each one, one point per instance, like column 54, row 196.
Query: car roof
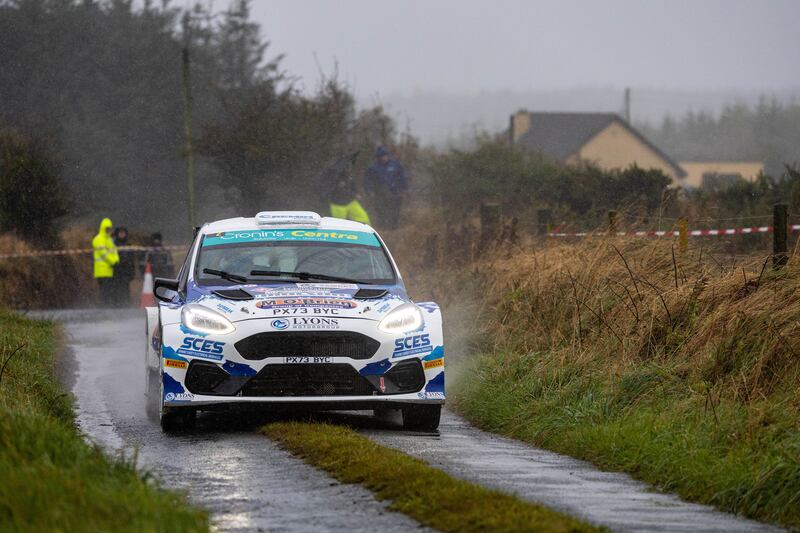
column 249, row 223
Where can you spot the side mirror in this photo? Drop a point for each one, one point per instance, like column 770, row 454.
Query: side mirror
column 165, row 289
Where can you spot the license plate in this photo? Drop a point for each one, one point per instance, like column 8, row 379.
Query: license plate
column 295, row 360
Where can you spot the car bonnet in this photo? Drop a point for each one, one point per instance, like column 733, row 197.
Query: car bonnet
column 343, row 300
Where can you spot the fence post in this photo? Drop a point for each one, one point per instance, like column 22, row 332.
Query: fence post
column 490, row 221
column 612, row 222
column 683, row 235
column 780, row 235
column 543, row 221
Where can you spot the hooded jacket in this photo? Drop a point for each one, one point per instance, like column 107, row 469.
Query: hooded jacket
column 105, row 252
column 380, row 179
column 337, row 182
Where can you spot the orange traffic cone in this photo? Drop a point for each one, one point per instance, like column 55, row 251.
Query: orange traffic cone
column 148, row 299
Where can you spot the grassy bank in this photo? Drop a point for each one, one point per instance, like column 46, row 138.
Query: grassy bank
column 684, row 371
column 426, row 494
column 50, row 479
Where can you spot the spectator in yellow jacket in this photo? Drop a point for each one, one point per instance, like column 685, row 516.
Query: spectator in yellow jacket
column 105, row 257
column 340, row 190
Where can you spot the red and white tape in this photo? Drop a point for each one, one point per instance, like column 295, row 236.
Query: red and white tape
column 675, row 233
column 78, row 251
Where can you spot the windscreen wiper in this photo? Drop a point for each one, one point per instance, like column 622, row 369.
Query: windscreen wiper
column 225, row 275
column 306, row 276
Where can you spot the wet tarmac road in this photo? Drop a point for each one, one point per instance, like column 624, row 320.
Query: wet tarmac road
column 250, row 484
column 576, row 487
column 247, row 482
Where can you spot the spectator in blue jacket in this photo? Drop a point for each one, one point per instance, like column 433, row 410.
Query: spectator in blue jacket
column 385, row 183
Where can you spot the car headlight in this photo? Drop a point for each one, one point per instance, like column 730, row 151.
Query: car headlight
column 204, row 320
column 404, row 318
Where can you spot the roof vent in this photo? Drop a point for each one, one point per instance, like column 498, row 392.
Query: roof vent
column 276, row 218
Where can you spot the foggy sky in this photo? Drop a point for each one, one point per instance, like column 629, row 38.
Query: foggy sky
column 475, row 45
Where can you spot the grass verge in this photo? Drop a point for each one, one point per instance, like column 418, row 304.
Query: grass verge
column 50, row 479
column 681, row 370
column 667, row 439
column 422, row 492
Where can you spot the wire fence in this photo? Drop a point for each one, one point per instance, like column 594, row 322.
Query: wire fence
column 80, row 251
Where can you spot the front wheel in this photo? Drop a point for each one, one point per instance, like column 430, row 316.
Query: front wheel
column 153, row 392
column 173, row 419
column 422, row 417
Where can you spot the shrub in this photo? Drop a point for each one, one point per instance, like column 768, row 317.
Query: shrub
column 521, row 180
column 32, row 199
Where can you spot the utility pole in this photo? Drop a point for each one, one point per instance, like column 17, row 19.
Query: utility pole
column 187, row 131
column 628, row 105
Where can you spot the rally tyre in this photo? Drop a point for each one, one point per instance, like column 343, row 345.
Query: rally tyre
column 175, row 419
column 153, row 394
column 421, row 417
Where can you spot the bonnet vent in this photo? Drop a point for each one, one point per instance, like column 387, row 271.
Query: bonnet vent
column 233, row 294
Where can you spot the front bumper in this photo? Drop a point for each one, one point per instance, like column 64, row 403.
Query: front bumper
column 207, row 371
column 318, row 403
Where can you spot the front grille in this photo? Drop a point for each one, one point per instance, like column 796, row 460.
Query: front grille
column 203, row 378
column 210, row 379
column 307, row 343
column 328, row 379
column 407, row 376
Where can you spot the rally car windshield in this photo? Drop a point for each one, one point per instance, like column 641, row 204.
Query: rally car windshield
column 244, row 254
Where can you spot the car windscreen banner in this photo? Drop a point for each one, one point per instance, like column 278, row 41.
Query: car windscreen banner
column 292, row 234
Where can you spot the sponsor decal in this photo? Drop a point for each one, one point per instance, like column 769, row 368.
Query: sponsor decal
column 292, row 234
column 329, row 287
column 175, row 364
column 178, row 396
column 280, row 323
column 385, row 307
column 199, row 347
column 412, row 345
column 224, row 308
column 277, row 291
column 305, row 290
column 302, row 322
column 430, row 395
column 313, row 301
column 308, row 359
column 433, row 364
column 325, row 235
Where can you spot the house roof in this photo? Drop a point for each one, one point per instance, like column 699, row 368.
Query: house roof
column 560, row 135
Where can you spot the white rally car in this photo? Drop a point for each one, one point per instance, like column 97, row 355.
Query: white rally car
column 289, row 309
